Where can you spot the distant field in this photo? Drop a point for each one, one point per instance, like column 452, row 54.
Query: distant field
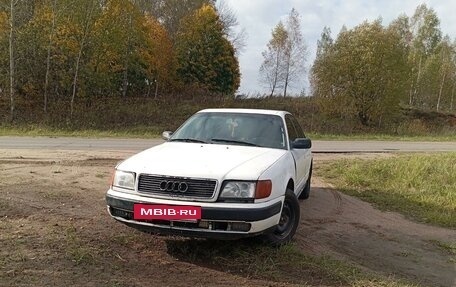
column 420, row 186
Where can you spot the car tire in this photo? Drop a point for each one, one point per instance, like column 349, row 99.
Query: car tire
column 289, row 221
column 305, row 193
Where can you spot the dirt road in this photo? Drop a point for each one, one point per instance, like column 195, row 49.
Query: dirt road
column 54, row 231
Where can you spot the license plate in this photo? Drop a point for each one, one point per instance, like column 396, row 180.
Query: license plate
column 166, row 212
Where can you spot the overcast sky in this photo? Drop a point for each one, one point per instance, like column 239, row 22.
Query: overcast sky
column 258, row 17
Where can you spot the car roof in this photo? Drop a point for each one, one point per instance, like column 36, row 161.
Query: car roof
column 246, row 111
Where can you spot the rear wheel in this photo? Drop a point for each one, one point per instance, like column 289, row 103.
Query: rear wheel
column 289, row 221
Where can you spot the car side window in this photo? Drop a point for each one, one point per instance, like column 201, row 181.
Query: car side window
column 298, row 127
column 292, row 133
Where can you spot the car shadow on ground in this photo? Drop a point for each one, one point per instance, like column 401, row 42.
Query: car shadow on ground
column 253, row 259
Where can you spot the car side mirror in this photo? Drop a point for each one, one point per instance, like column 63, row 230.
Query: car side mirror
column 301, row 143
column 166, row 135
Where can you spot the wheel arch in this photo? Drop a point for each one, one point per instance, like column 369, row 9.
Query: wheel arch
column 282, row 174
column 290, row 184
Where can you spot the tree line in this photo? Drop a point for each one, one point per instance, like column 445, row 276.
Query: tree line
column 63, row 51
column 372, row 70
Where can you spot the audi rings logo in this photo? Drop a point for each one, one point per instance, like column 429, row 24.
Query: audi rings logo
column 174, row 186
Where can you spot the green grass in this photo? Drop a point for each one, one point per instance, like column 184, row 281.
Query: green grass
column 449, row 248
column 420, row 186
column 76, row 250
column 284, row 264
column 155, row 132
column 384, row 137
column 136, row 132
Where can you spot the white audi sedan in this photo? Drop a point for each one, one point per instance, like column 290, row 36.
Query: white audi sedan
column 225, row 173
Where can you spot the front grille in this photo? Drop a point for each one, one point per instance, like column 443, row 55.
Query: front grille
column 197, row 188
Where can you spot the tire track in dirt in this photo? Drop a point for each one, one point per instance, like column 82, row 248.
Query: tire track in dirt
column 344, row 227
column 328, row 215
column 338, row 202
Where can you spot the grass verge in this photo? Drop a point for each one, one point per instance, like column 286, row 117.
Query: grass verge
column 136, row 132
column 420, row 186
column 155, row 132
column 384, row 137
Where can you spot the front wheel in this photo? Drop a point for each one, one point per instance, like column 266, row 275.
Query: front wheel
column 289, row 221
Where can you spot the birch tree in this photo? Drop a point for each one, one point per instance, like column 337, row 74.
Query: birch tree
column 438, row 72
column 237, row 37
column 426, row 36
column 284, row 59
column 48, row 54
column 295, row 52
column 11, row 56
column 271, row 71
column 87, row 22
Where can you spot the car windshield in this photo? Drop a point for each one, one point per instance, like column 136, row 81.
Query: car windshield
column 234, row 129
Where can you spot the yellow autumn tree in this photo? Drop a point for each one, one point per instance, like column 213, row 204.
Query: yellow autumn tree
column 158, row 55
column 3, row 23
column 132, row 53
column 205, row 56
column 116, row 36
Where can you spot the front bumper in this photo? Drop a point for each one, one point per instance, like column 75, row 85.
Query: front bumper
column 218, row 220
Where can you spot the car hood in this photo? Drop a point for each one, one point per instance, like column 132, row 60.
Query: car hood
column 195, row 160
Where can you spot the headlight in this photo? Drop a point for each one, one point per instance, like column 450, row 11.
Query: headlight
column 124, row 179
column 238, row 189
column 246, row 191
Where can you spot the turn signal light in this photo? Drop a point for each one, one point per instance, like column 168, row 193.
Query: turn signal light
column 263, row 189
column 111, row 180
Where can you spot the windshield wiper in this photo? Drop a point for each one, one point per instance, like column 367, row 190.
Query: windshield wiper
column 234, row 141
column 189, row 140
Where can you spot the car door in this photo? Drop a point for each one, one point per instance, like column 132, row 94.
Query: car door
column 302, row 157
